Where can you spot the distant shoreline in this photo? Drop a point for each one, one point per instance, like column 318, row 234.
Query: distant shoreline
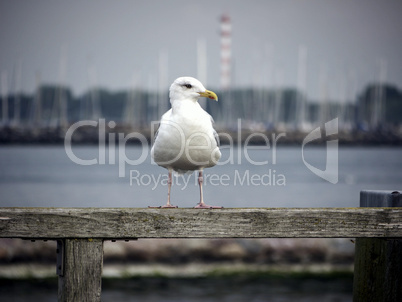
column 27, row 271
column 90, row 136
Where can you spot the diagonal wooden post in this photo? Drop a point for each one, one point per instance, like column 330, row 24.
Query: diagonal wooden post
column 81, row 278
column 378, row 261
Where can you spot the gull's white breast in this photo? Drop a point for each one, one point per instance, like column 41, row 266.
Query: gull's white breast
column 186, row 139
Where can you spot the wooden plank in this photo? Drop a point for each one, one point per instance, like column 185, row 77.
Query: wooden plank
column 129, row 223
column 378, row 261
column 82, row 279
column 378, row 267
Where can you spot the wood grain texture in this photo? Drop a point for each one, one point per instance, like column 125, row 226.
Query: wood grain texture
column 82, row 279
column 378, row 261
column 378, row 267
column 129, row 223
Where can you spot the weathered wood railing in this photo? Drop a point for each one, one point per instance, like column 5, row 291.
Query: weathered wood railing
column 80, row 233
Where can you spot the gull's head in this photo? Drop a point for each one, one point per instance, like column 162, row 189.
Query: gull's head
column 189, row 88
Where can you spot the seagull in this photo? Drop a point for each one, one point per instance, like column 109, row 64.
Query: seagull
column 186, row 140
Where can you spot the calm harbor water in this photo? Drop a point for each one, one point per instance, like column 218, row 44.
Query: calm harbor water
column 233, row 289
column 45, row 176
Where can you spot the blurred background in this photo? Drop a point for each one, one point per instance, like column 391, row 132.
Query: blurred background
column 288, row 65
column 278, row 67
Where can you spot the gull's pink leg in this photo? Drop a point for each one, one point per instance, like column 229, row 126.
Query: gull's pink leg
column 168, row 204
column 202, row 205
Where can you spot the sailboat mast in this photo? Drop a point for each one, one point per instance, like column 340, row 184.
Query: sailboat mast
column 4, row 97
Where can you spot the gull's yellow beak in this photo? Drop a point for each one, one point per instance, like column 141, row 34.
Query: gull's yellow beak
column 209, row 94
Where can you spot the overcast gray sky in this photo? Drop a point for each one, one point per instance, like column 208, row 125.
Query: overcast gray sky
column 109, row 43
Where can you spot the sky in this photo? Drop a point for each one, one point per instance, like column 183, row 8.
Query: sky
column 123, row 44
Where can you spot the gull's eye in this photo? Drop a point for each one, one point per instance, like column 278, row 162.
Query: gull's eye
column 188, row 86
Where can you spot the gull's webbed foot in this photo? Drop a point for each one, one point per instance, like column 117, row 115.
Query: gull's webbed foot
column 205, row 206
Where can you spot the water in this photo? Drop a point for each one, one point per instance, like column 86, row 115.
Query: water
column 44, row 176
column 233, row 289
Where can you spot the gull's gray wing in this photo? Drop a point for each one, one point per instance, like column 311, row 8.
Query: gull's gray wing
column 216, row 135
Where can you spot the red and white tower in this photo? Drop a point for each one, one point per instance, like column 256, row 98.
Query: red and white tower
column 226, row 52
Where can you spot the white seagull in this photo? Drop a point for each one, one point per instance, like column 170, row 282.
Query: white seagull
column 186, row 140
